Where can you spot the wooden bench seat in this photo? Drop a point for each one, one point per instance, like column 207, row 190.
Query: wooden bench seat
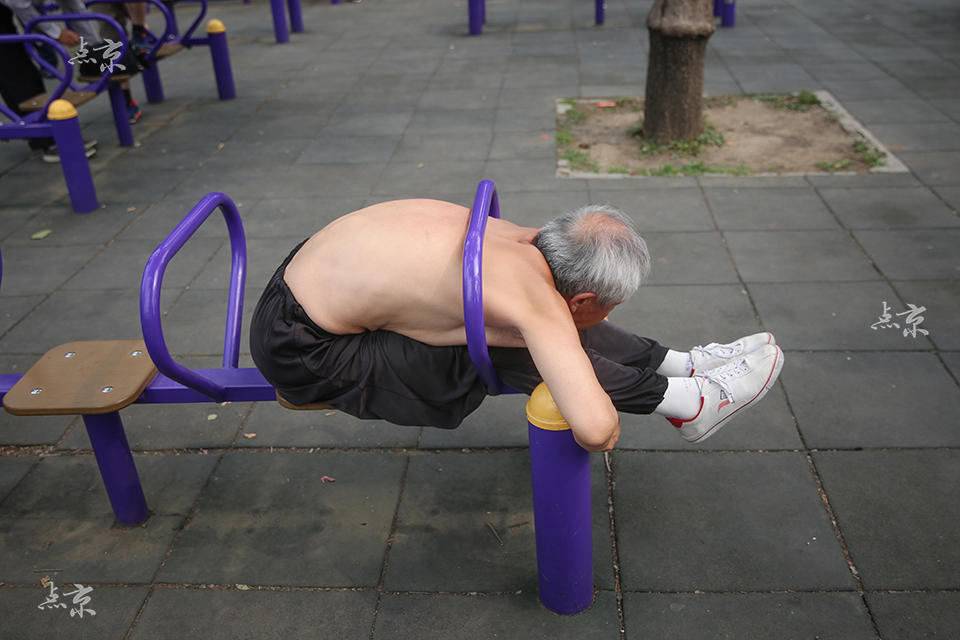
column 38, row 102
column 303, row 407
column 83, row 378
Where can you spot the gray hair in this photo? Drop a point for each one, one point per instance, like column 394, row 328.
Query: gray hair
column 595, row 249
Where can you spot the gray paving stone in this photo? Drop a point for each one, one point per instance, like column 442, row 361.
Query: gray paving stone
column 658, row 209
column 67, row 229
column 337, row 149
column 893, row 208
column 953, row 362
column 495, row 616
column 536, row 208
column 237, row 152
column 236, row 182
column 499, row 422
column 831, row 316
column 898, row 514
column 760, row 527
column 913, row 255
column 88, row 551
column 29, row 430
column 689, row 258
column 292, row 217
column 195, row 325
column 275, row 426
column 12, row 471
column 528, row 144
column 173, row 426
column 933, row 136
column 271, row 520
column 32, row 270
column 67, row 316
column 436, row 178
column 915, row 615
column 214, row 613
column 934, row 167
column 443, row 540
column 885, row 111
column 942, row 299
column 108, row 614
column 70, row 487
column 838, row 615
column 14, row 308
column 302, row 181
column 417, row 148
column 950, row 195
column 847, row 400
column 798, row 256
column 774, row 208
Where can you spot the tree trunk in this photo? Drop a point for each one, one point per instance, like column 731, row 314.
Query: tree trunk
column 673, row 106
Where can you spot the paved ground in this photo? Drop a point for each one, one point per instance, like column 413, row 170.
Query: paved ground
column 830, row 511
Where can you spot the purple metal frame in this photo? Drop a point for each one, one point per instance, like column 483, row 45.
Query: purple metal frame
column 477, row 14
column 280, row 31
column 560, row 468
column 66, row 133
column 121, row 120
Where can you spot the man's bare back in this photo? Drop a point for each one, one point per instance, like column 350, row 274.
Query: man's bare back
column 397, row 266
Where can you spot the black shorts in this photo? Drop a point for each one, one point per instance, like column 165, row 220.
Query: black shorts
column 386, row 375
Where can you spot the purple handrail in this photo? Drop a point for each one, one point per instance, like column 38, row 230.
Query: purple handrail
column 150, row 320
column 484, row 204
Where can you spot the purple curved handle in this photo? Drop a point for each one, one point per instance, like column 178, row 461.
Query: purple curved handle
column 65, row 80
column 150, row 320
column 484, row 204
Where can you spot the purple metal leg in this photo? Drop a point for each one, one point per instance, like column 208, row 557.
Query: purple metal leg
column 73, row 157
column 119, row 105
column 116, row 468
column 296, row 16
column 727, row 13
column 334, row 1
column 279, row 21
column 217, row 34
column 475, row 11
column 716, row 7
column 598, row 11
column 561, row 508
column 152, row 83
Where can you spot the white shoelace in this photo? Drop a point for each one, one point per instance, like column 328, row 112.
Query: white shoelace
column 721, row 375
column 719, row 350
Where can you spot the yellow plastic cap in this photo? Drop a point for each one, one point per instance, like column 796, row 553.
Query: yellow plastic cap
column 61, row 110
column 216, row 26
column 543, row 412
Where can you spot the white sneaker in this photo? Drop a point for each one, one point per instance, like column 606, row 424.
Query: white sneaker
column 716, row 355
column 728, row 389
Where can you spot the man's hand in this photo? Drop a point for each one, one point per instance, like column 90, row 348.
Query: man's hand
column 68, row 38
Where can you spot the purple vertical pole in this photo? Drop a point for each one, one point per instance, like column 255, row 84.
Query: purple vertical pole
column 217, row 34
column 561, row 508
column 598, row 11
column 152, row 84
column 727, row 13
column 334, row 1
column 120, row 117
column 73, row 156
column 296, row 16
column 475, row 13
column 716, row 7
column 117, row 468
column 279, row 21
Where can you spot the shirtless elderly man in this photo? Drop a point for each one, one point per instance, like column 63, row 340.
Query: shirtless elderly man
column 367, row 316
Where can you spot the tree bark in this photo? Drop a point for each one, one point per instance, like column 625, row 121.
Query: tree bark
column 673, row 106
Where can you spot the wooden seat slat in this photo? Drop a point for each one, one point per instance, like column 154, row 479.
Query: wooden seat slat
column 89, row 377
column 168, row 50
column 302, row 407
column 76, row 98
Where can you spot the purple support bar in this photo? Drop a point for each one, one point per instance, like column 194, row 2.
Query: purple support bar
column 152, row 84
column 716, row 7
column 727, row 13
column 279, row 21
column 73, row 156
column 121, row 118
column 296, row 16
column 475, row 14
column 484, row 204
column 117, row 468
column 561, row 508
column 598, row 10
column 150, row 316
column 217, row 35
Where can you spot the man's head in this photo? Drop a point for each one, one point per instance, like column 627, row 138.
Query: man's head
column 597, row 259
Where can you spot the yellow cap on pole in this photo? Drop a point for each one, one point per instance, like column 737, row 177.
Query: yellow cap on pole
column 61, row 110
column 543, row 412
column 216, row 26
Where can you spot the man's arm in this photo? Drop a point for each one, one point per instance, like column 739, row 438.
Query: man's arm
column 554, row 345
column 25, row 12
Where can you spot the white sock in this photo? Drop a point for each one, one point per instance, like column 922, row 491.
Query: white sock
column 681, row 399
column 677, row 364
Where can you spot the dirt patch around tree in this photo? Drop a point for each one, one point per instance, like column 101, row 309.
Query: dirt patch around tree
column 781, row 134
